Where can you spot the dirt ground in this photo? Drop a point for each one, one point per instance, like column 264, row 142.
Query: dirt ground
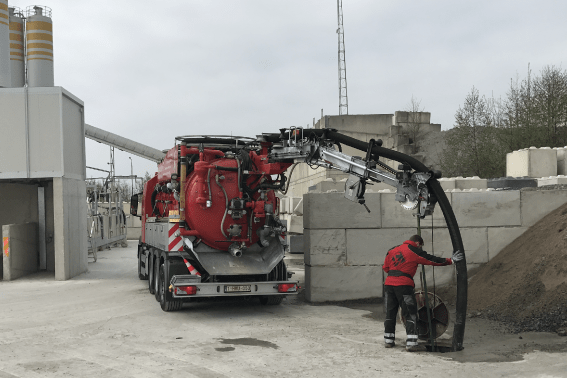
column 105, row 324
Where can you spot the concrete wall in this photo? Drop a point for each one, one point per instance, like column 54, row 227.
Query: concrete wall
column 18, row 204
column 21, row 250
column 345, row 246
column 54, row 143
column 70, row 227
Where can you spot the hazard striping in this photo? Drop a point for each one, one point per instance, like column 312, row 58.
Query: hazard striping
column 175, row 243
column 7, row 246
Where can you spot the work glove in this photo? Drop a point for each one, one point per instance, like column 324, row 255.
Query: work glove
column 457, row 256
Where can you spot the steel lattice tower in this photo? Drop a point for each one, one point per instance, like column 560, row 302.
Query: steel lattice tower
column 343, row 98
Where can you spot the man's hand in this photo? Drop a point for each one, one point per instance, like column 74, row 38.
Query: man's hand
column 457, row 256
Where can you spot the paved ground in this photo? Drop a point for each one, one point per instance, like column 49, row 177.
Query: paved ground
column 105, row 324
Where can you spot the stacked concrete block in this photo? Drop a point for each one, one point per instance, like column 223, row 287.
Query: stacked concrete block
column 500, row 237
column 447, row 183
column 487, row 208
column 474, row 182
column 561, row 156
column 538, row 203
column 394, row 215
column 552, row 180
column 295, row 243
column 512, row 183
column 532, row 162
column 332, row 210
column 295, row 224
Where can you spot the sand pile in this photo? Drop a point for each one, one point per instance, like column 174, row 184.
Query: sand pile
column 525, row 285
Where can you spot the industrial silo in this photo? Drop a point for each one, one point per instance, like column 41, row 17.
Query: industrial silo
column 39, row 46
column 17, row 66
column 5, row 78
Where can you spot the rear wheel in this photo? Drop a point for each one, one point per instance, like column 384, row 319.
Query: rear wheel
column 156, row 270
column 271, row 300
column 166, row 301
column 142, row 276
column 151, row 277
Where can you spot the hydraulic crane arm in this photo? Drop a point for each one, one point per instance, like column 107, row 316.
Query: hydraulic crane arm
column 411, row 187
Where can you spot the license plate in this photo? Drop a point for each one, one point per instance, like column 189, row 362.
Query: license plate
column 237, row 288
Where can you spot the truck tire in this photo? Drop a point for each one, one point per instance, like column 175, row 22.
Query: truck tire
column 156, row 277
column 151, row 276
column 271, row 300
column 166, row 301
column 141, row 276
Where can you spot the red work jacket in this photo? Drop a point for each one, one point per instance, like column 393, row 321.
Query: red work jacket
column 401, row 263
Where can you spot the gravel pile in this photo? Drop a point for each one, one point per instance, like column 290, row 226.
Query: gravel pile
column 525, row 285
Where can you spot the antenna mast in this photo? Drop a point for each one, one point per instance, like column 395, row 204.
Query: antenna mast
column 343, row 99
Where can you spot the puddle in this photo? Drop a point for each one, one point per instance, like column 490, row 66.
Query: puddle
column 226, row 349
column 249, row 341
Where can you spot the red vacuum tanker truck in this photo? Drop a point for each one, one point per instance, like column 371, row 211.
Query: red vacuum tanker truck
column 210, row 223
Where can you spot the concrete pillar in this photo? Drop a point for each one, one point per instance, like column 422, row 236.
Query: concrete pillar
column 70, row 227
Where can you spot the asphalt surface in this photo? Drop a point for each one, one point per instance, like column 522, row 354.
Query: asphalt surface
column 104, row 323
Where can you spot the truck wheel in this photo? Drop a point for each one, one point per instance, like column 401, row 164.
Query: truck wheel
column 140, row 275
column 166, row 302
column 156, row 277
column 151, row 278
column 271, row 300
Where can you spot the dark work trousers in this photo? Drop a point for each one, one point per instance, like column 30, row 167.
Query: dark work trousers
column 404, row 297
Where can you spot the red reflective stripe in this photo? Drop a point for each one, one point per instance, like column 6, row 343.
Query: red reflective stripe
column 173, row 229
column 174, row 243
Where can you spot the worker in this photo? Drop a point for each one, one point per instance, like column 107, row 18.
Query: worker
column 401, row 264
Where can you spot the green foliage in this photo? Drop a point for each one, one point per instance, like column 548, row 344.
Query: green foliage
column 534, row 113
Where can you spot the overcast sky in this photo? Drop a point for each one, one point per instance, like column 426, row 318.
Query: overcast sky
column 151, row 71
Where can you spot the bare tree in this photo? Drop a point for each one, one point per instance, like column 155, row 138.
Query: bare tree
column 414, row 110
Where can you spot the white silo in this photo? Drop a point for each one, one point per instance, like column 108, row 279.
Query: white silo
column 39, row 46
column 17, row 66
column 5, row 78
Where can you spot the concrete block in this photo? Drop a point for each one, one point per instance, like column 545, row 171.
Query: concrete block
column 552, row 180
column 470, row 183
column 538, row 203
column 324, row 283
column 296, row 206
column 20, row 250
column 325, row 247
column 400, row 117
column 284, row 205
column 296, row 243
column 370, row 246
column 561, row 156
column 475, row 241
column 436, row 276
column 134, row 233
column 487, row 208
column 447, row 183
column 394, row 215
column 532, row 162
column 512, row 183
column 327, row 185
column 500, row 237
column 332, row 210
column 295, row 224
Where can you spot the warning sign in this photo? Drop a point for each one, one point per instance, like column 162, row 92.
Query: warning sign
column 7, row 246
